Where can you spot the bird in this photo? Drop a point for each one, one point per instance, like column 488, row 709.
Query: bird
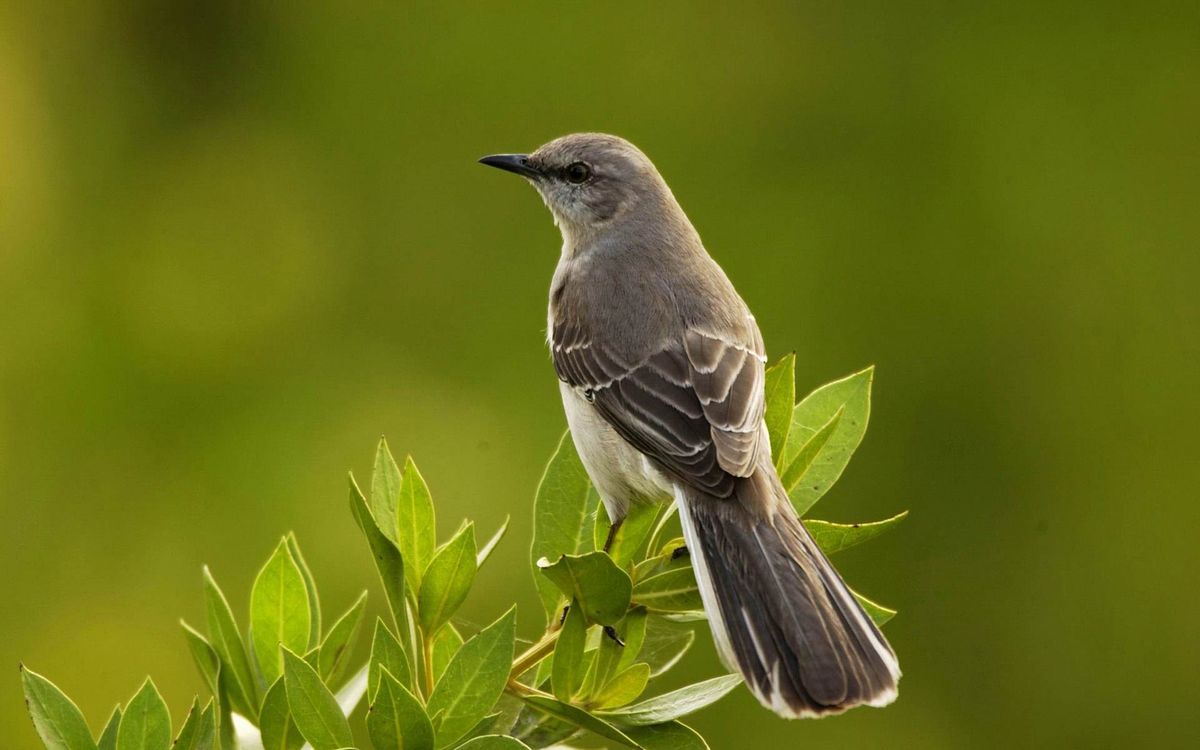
column 661, row 367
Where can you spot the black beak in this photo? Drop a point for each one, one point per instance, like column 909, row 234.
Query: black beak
column 515, row 163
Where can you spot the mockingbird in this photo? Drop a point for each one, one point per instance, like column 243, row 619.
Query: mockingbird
column 661, row 370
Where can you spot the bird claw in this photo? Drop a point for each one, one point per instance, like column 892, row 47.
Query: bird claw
column 611, row 632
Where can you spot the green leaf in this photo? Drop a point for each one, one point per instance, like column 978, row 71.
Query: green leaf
column 779, row 390
column 564, row 501
column 566, row 676
column 446, row 644
column 108, row 737
column 226, row 640
column 386, row 653
column 199, row 730
column 388, row 561
column 486, row 551
column 677, row 703
column 668, row 521
column 447, row 580
column 669, row 736
column 633, row 633
column 672, row 591
column 310, row 585
column 850, row 395
column 396, row 720
column 415, row 528
column 279, row 612
column 58, row 721
column 191, row 723
column 204, row 655
column 385, row 490
column 580, row 718
column 804, row 458
column 275, row 723
column 665, row 644
column 595, row 581
column 336, row 647
column 473, row 680
column 313, row 707
column 145, row 723
column 623, row 688
column 835, row 537
column 493, row 742
column 634, row 529
column 225, row 732
column 610, row 656
column 878, row 613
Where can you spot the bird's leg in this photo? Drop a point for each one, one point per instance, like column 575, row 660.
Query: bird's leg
column 612, row 534
column 611, row 632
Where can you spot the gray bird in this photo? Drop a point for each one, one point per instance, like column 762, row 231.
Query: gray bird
column 661, row 370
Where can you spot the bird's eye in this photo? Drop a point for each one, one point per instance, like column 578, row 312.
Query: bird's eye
column 577, row 173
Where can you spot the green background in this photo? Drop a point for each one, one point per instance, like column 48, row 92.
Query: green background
column 238, row 241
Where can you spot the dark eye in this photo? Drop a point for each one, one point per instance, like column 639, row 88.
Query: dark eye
column 577, row 173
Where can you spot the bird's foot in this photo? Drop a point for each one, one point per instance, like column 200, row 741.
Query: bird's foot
column 611, row 632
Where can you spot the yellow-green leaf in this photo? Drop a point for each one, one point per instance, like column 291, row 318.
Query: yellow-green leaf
column 835, row 537
column 878, row 613
column 279, row 611
column 779, row 391
column 624, row 687
column 561, row 509
column 677, row 703
column 313, row 707
column 388, row 561
column 145, row 722
column 275, row 723
column 57, row 719
column 314, row 601
column 446, row 644
column 416, row 534
column 397, row 721
column 447, row 580
column 672, row 591
column 594, row 581
column 386, row 653
column 335, row 649
column 566, row 674
column 473, row 680
column 108, row 736
column 226, row 640
column 851, row 396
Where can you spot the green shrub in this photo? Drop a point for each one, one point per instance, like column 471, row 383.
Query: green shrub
column 614, row 621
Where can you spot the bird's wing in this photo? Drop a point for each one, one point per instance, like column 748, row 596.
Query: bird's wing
column 695, row 405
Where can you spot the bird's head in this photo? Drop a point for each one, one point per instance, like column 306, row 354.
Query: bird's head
column 591, row 182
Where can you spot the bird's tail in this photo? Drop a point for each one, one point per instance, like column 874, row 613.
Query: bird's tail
column 780, row 614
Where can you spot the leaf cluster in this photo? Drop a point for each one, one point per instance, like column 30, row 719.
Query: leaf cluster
column 614, row 619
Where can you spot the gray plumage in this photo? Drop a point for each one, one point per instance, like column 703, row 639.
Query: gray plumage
column 661, row 372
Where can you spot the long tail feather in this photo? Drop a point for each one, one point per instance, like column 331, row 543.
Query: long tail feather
column 779, row 612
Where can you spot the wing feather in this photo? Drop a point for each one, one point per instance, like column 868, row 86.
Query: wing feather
column 695, row 406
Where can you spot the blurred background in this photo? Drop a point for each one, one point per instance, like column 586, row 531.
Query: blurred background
column 240, row 240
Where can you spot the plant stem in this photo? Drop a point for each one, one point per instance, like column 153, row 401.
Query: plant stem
column 652, row 547
column 518, row 689
column 427, row 654
column 534, row 654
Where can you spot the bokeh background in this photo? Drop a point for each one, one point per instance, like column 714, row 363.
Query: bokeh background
column 240, row 240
